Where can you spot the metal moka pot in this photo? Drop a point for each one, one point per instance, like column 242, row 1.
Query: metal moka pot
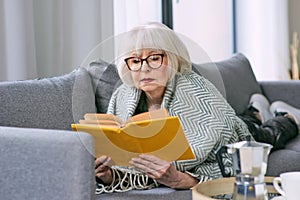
column 250, row 164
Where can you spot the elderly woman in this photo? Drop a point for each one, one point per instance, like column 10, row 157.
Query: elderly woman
column 155, row 68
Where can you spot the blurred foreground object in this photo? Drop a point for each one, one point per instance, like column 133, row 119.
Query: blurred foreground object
column 294, row 55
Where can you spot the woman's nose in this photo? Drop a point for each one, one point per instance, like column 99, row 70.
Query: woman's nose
column 145, row 66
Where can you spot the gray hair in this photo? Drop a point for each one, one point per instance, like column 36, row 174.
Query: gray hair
column 154, row 36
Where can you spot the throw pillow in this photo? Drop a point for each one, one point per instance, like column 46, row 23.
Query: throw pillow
column 105, row 80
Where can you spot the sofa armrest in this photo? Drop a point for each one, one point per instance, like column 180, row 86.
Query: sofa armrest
column 46, row 164
column 287, row 91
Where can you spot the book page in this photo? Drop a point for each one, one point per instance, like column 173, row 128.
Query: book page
column 101, row 119
column 156, row 114
column 101, row 122
column 112, row 120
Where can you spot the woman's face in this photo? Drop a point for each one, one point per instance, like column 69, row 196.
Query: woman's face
column 146, row 78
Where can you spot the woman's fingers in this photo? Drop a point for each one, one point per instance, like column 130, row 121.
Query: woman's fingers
column 102, row 165
column 103, row 160
column 151, row 165
column 145, row 161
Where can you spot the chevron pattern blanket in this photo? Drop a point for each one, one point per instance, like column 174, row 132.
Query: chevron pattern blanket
column 208, row 121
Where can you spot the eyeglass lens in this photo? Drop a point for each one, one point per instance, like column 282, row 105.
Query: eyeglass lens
column 154, row 61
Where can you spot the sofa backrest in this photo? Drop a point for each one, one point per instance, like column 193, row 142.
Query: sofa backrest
column 51, row 103
column 55, row 103
column 234, row 78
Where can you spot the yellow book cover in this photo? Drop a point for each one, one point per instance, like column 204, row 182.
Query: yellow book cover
column 153, row 133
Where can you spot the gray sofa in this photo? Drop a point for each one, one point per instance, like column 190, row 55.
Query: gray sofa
column 42, row 158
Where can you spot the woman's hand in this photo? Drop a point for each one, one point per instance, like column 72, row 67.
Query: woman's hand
column 103, row 170
column 163, row 172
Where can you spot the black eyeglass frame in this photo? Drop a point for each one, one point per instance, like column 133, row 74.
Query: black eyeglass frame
column 145, row 59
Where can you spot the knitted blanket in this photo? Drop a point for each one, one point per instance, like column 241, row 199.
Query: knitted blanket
column 208, row 121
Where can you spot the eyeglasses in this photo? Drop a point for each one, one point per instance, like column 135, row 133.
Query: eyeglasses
column 154, row 61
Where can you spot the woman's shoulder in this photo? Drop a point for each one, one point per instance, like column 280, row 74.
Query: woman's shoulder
column 192, row 75
column 199, row 83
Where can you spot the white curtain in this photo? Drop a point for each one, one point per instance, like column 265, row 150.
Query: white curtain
column 134, row 12
column 263, row 36
column 208, row 24
column 42, row 38
column 17, row 45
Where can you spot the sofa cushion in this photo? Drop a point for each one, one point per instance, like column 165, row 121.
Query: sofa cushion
column 52, row 103
column 105, row 80
column 283, row 160
column 234, row 78
column 294, row 144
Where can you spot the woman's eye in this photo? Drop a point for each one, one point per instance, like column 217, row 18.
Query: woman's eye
column 154, row 57
column 136, row 60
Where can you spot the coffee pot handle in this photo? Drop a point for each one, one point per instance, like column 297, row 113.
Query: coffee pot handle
column 219, row 157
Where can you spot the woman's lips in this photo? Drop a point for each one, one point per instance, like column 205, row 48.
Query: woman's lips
column 147, row 80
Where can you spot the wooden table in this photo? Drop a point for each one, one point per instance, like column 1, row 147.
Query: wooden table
column 208, row 189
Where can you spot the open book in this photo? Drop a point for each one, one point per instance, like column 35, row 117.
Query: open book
column 152, row 132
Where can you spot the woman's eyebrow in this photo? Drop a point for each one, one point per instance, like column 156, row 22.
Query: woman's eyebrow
column 155, row 51
column 134, row 54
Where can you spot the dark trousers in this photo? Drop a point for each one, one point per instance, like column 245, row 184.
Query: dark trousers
column 276, row 131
